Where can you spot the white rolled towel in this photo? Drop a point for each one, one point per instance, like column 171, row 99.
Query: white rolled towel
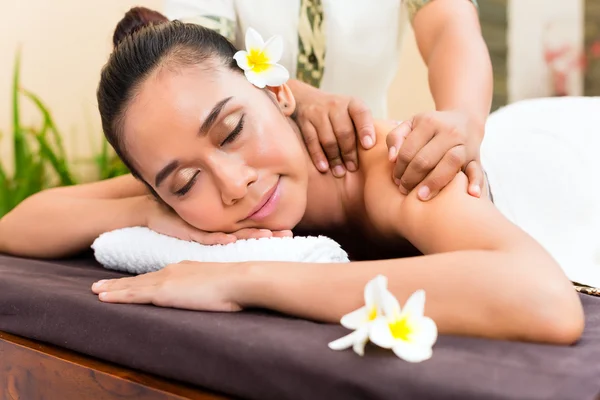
column 139, row 250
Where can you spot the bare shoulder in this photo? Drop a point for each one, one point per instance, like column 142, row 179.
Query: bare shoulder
column 381, row 195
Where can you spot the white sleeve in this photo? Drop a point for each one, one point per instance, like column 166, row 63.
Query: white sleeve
column 218, row 15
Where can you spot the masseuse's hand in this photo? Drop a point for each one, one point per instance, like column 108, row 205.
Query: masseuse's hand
column 162, row 220
column 188, row 285
column 330, row 124
column 432, row 148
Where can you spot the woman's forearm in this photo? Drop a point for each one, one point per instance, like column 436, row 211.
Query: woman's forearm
column 460, row 70
column 476, row 293
column 49, row 225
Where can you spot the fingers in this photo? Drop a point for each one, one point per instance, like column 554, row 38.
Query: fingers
column 363, row 122
column 286, row 233
column 343, row 129
column 311, row 139
column 210, row 238
column 396, row 137
column 135, row 295
column 425, row 161
column 476, row 178
column 442, row 174
column 329, row 144
column 124, row 283
column 421, row 134
column 252, row 233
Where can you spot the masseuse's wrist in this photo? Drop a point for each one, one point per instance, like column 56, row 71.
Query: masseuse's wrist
column 475, row 119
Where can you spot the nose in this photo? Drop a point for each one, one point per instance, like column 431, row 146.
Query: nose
column 233, row 177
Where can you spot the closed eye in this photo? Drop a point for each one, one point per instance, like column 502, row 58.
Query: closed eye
column 235, row 132
column 186, row 188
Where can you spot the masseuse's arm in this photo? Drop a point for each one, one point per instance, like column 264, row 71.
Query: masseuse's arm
column 460, row 73
column 442, row 142
column 63, row 221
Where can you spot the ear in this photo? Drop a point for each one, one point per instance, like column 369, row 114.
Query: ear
column 284, row 98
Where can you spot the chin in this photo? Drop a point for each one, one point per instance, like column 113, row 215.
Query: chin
column 288, row 216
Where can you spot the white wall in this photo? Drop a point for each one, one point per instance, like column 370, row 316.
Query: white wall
column 65, row 43
column 528, row 29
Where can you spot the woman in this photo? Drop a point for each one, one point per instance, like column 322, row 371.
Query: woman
column 351, row 48
column 225, row 156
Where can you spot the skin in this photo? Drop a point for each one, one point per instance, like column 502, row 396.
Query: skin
column 441, row 142
column 477, row 267
column 448, row 139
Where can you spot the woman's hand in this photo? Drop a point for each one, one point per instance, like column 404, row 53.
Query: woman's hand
column 432, row 148
column 329, row 125
column 188, row 285
column 163, row 220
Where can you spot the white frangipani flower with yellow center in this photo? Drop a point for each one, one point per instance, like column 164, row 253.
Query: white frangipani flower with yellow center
column 360, row 320
column 406, row 331
column 259, row 60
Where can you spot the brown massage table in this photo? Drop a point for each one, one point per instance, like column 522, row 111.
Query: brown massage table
column 57, row 341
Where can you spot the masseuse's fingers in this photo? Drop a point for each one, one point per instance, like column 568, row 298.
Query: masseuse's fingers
column 329, row 144
column 425, row 161
column 343, row 128
column 311, row 139
column 475, row 175
column 395, row 138
column 442, row 174
column 420, row 135
column 363, row 122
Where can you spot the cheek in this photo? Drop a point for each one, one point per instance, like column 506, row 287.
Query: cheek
column 204, row 213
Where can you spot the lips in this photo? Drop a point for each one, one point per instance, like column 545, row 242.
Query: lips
column 266, row 205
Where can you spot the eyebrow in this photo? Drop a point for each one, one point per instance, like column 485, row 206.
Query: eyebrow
column 166, row 171
column 206, row 125
column 213, row 115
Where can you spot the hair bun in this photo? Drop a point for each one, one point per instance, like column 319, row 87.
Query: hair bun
column 134, row 20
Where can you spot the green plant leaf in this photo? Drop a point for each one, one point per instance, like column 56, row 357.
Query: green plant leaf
column 20, row 147
column 5, row 192
column 46, row 153
column 47, row 120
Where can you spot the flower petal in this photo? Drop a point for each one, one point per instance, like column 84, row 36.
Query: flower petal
column 344, row 342
column 380, row 333
column 241, row 57
column 391, row 307
column 254, row 40
column 360, row 340
column 374, row 290
column 257, row 79
column 412, row 352
column 273, row 49
column 427, row 332
column 275, row 75
column 355, row 319
column 415, row 305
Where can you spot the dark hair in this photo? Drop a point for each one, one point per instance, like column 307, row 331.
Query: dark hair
column 145, row 40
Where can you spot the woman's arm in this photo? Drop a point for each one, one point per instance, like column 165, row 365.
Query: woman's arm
column 483, row 276
column 460, row 71
column 63, row 221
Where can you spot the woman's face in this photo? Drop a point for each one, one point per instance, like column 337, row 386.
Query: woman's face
column 218, row 150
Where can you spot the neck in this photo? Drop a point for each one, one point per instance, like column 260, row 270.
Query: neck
column 332, row 203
